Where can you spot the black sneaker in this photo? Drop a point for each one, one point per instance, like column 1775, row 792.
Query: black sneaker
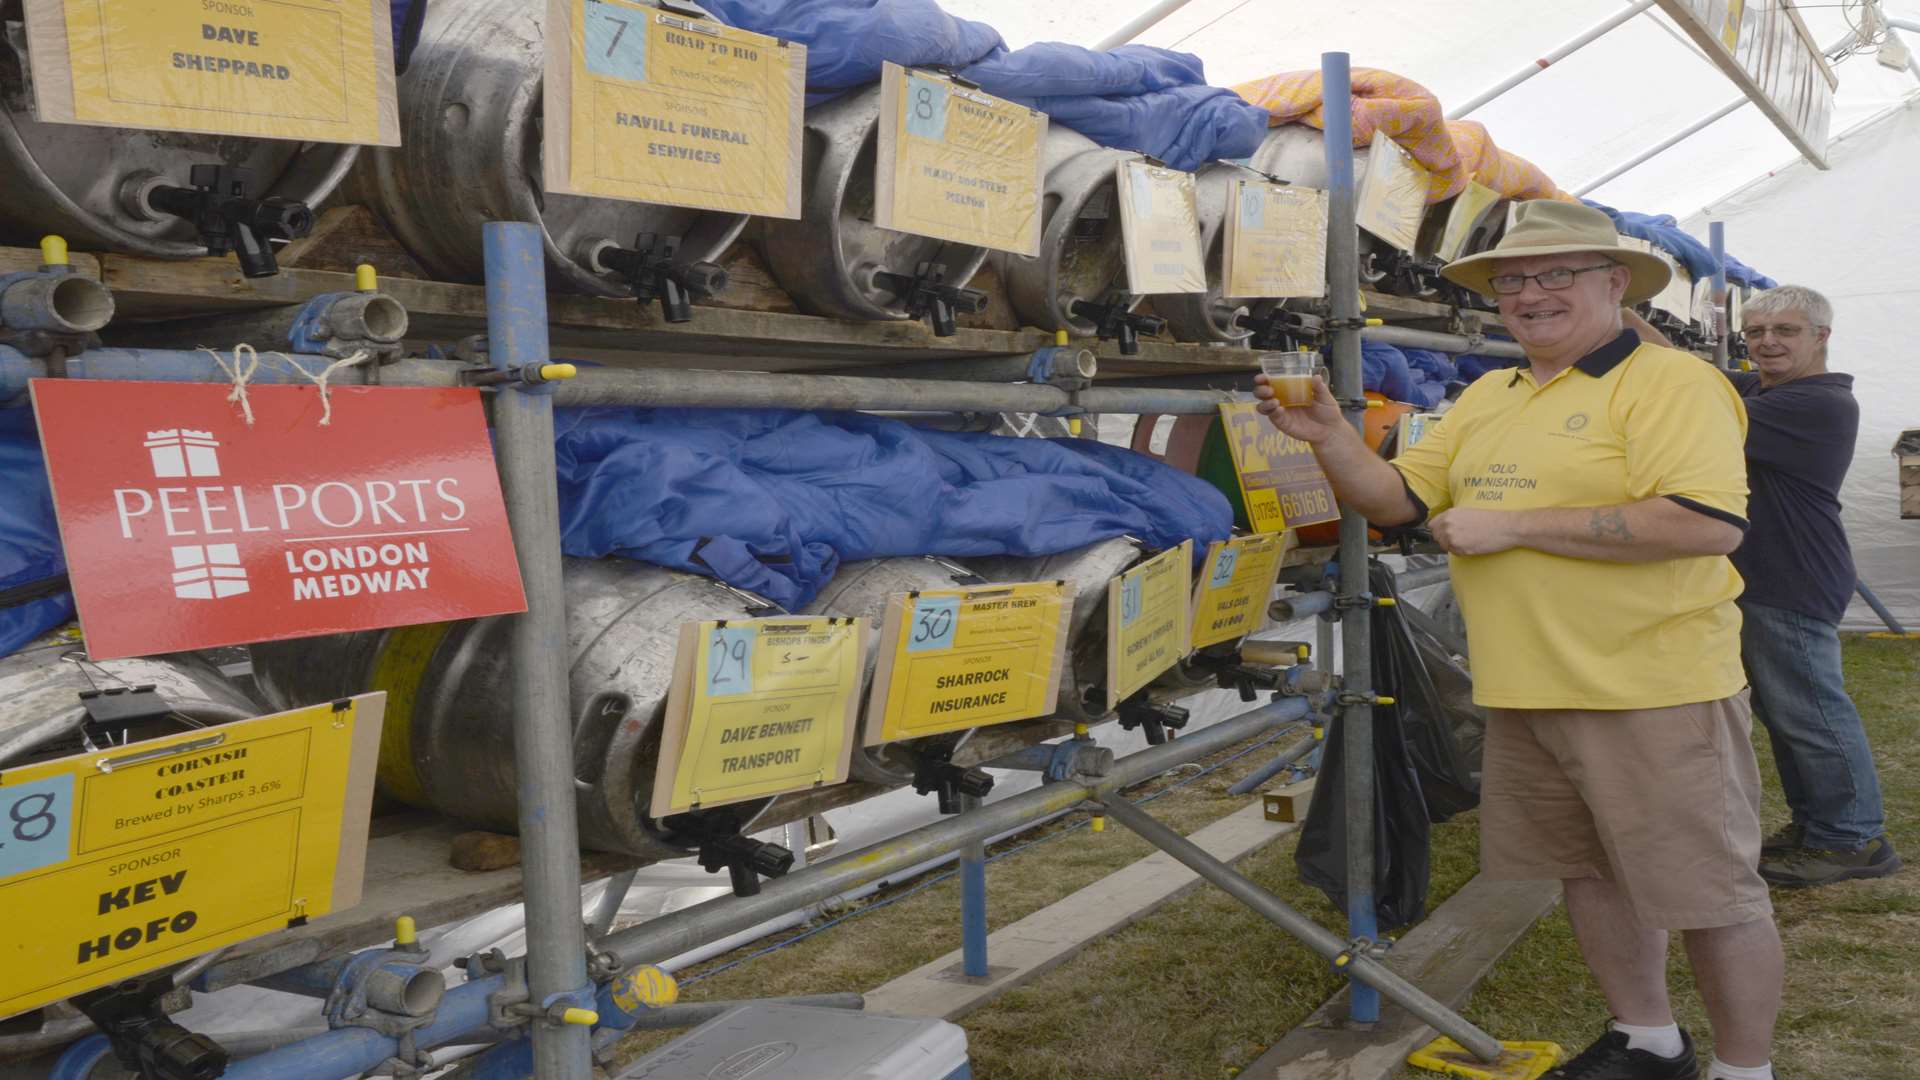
column 1787, row 838
column 1612, row 1059
column 1808, row 867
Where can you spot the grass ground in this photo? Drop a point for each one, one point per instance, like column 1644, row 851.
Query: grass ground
column 1202, row 987
column 1198, row 989
column 1852, row 1001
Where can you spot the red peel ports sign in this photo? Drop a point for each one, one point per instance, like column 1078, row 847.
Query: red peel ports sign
column 186, row 528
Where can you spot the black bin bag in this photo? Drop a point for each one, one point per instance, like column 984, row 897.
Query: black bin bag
column 1426, row 766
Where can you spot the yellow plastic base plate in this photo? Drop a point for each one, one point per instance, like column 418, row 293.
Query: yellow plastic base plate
column 1518, row 1060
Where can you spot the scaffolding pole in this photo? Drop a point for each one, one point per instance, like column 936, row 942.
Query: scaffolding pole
column 1357, row 964
column 674, row 933
column 542, row 732
column 1356, row 696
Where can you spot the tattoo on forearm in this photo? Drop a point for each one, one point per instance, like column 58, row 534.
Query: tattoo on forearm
column 1610, row 524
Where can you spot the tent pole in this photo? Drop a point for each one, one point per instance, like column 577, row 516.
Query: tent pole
column 1722, row 302
column 1698, row 126
column 1576, row 43
column 1143, row 22
column 1663, row 146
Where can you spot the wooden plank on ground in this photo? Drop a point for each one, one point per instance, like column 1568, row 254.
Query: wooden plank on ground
column 1446, row 956
column 1023, row 951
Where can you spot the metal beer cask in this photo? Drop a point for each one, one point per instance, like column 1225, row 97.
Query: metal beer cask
column 470, row 127
column 829, row 259
column 448, row 743
column 88, row 183
column 41, row 684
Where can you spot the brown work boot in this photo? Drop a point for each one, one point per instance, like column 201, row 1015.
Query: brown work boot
column 1808, row 867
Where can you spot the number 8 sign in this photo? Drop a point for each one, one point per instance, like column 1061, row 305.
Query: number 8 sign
column 926, row 108
column 35, row 824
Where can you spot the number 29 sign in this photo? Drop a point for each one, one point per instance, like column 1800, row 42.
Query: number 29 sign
column 759, row 707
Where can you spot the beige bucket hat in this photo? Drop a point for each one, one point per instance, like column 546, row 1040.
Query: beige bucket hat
column 1552, row 227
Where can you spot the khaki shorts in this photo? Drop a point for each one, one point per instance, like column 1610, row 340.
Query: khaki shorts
column 1666, row 802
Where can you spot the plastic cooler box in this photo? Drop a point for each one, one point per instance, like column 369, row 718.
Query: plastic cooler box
column 798, row 1042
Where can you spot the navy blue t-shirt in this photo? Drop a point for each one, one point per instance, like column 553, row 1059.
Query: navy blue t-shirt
column 1800, row 438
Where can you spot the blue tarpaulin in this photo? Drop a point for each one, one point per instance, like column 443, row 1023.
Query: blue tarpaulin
column 1663, row 232
column 1473, row 365
column 1415, row 376
column 33, row 599
column 1134, row 97
column 848, row 40
column 773, row 501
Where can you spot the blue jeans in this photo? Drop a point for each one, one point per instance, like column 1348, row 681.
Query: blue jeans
column 1819, row 744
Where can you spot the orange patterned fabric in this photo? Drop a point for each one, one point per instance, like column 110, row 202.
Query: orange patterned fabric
column 1454, row 151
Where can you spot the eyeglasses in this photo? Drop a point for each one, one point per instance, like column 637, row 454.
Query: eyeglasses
column 1784, row 332
column 1552, row 280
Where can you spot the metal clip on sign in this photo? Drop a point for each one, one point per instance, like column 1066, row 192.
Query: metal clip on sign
column 113, row 713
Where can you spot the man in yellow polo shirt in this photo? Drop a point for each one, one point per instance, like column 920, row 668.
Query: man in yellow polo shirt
column 1589, row 499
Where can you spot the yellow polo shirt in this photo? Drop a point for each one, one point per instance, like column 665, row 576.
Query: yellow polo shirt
column 1625, row 423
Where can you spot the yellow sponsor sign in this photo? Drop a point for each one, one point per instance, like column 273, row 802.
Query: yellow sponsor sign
column 139, row 856
column 759, row 707
column 1279, row 477
column 1148, row 609
column 646, row 105
column 1466, row 208
column 1392, row 199
column 313, row 70
column 1276, row 240
column 1230, row 599
column 1160, row 225
column 956, row 163
column 952, row 659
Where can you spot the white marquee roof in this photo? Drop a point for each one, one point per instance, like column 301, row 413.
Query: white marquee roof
column 1594, row 110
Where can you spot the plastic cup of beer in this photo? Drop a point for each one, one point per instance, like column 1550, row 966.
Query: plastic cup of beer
column 1291, row 374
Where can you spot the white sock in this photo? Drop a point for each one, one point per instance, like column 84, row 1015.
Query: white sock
column 1720, row 1070
column 1664, row 1040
